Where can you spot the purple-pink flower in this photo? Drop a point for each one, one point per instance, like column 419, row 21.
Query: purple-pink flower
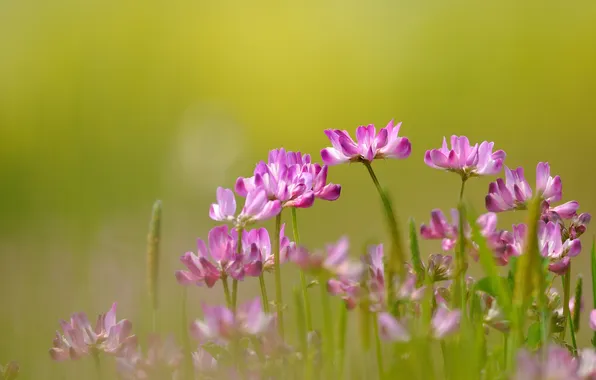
column 464, row 159
column 443, row 323
column 256, row 207
column 290, row 178
column 221, row 325
column 370, row 145
column 558, row 364
column 78, row 338
column 163, row 358
column 514, row 192
column 390, row 329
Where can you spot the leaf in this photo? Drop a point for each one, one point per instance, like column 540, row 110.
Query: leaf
column 534, row 336
column 488, row 285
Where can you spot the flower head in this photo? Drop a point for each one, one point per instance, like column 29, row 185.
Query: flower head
column 10, row 372
column 370, row 145
column 552, row 247
column 558, row 364
column 390, row 329
column 256, row 207
column 162, row 361
column 445, row 322
column 79, row 338
column 221, row 325
column 291, row 179
column 440, row 267
column 464, row 159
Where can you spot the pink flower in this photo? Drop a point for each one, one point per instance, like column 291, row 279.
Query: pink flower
column 212, row 264
column 370, row 145
column 290, row 178
column 445, row 322
column 593, row 320
column 257, row 248
column 257, row 207
column 552, row 247
column 163, row 357
column 390, row 329
column 440, row 267
column 464, row 159
column 221, row 325
column 79, row 338
column 558, row 364
column 334, row 262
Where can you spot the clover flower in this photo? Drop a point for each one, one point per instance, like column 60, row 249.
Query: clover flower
column 78, row 338
column 290, row 178
column 552, row 247
column 558, row 364
column 514, row 193
column 440, row 267
column 221, row 325
column 257, row 207
column 370, row 145
column 443, row 323
column 464, row 159
column 162, row 361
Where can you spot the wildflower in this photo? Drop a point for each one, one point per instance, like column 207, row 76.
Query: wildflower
column 333, row 263
column 587, row 364
column 256, row 207
column 440, row 267
column 10, row 372
column 558, row 364
column 390, row 329
column 514, row 193
column 222, row 325
column 551, row 246
column 593, row 320
column 224, row 260
column 369, row 145
column 464, row 159
column 578, row 225
column 162, row 361
column 290, row 178
column 80, row 339
column 258, row 240
column 445, row 322
column 348, row 290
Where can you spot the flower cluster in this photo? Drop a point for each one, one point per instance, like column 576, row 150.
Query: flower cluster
column 412, row 303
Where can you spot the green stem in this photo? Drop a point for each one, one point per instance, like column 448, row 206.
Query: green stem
column 463, row 186
column 397, row 258
column 97, row 363
column 264, row 298
column 505, row 348
column 341, row 341
column 302, row 334
column 188, row 368
column 566, row 296
column 327, row 338
column 234, row 294
column 378, row 347
column 573, row 339
column 278, row 289
column 303, row 281
column 226, row 288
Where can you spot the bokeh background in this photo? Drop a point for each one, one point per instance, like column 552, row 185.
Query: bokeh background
column 106, row 106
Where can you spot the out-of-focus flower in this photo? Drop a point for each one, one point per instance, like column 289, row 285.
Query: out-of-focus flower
column 439, row 267
column 162, row 361
column 445, row 322
column 464, row 159
column 221, row 325
column 79, row 338
column 334, row 261
column 587, row 364
column 348, row 290
column 210, row 265
column 578, row 225
column 10, row 372
column 514, row 193
column 375, row 280
column 203, row 361
column 558, row 364
column 593, row 320
column 256, row 207
column 370, row 145
column 390, row 329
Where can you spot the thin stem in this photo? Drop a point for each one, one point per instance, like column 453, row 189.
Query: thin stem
column 264, row 298
column 341, row 341
column 303, row 282
column 397, row 258
column 188, row 366
column 278, row 290
column 235, row 282
column 505, row 348
column 154, row 320
column 573, row 339
column 327, row 337
column 463, row 186
column 97, row 363
column 566, row 296
column 226, row 289
column 378, row 348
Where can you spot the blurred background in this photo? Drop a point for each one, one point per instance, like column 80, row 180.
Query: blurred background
column 106, row 106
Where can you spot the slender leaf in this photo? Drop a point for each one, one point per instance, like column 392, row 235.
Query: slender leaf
column 415, row 252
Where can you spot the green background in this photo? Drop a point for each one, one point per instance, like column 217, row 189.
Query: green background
column 106, row 106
